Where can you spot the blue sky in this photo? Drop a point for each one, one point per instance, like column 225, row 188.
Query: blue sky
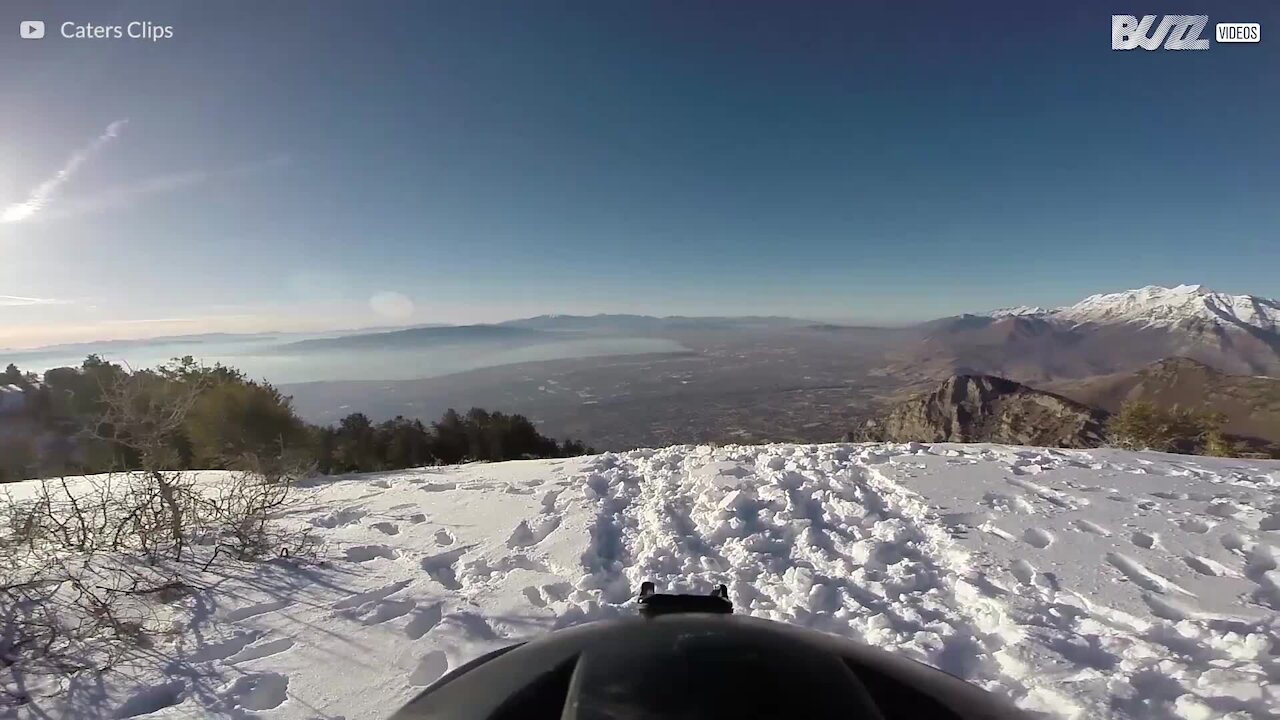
column 270, row 168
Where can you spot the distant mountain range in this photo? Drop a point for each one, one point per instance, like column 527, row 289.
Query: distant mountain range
column 544, row 328
column 203, row 339
column 426, row 337
column 1102, row 334
column 103, row 345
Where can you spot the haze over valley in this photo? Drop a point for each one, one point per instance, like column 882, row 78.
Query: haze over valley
column 625, row 381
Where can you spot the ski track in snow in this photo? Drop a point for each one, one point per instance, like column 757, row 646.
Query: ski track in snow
column 1078, row 583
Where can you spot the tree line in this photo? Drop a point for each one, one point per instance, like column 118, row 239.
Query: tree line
column 72, row 420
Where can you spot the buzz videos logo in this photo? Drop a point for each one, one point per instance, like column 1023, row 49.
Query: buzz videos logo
column 1176, row 32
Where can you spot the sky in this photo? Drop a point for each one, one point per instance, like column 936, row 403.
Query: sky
column 391, row 163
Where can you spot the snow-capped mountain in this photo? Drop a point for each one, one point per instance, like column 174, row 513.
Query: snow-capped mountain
column 1155, row 306
column 1178, row 306
column 1017, row 311
column 1102, row 334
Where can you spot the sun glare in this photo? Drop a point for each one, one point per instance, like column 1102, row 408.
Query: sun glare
column 17, row 212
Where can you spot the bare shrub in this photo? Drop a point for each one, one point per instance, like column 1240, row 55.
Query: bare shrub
column 242, row 509
column 1141, row 425
column 86, row 564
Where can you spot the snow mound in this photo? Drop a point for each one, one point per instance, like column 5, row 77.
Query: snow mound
column 1078, row 583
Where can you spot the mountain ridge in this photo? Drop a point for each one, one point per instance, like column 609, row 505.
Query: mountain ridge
column 1100, row 335
column 1155, row 305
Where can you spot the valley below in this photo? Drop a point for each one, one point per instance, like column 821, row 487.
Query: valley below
column 798, row 385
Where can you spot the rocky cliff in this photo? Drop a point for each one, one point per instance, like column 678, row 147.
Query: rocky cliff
column 984, row 408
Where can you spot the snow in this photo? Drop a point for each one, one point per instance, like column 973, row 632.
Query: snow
column 1158, row 306
column 1078, row 583
column 1155, row 306
column 1018, row 311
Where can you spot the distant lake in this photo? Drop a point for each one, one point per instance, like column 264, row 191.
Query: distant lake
column 265, row 359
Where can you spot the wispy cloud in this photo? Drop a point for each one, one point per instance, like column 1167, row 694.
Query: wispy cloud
column 40, row 196
column 18, row 301
column 126, row 195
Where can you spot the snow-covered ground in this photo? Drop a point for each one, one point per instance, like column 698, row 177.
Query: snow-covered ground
column 1079, row 583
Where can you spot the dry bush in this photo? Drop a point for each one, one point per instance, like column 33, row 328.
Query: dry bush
column 1140, row 425
column 239, row 513
column 68, row 601
column 87, row 564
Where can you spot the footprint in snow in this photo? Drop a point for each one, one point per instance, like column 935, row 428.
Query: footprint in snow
column 472, row 626
column 525, row 534
column 1002, row 534
column 261, row 650
column 1142, row 576
column 1236, row 542
column 365, row 553
column 423, row 620
column 1008, row 503
column 224, row 649
column 1224, row 509
column 557, row 592
column 152, row 699
column 1167, row 609
column 386, row 528
column 1024, row 571
column 480, row 568
column 255, row 692
column 338, row 519
column 1091, row 527
column 1144, row 540
column 257, row 609
column 432, row 665
column 1037, row 538
column 549, row 500
column 376, row 612
column 357, row 599
column 1194, row 525
column 1207, row 566
column 535, row 598
column 444, row 537
column 441, row 568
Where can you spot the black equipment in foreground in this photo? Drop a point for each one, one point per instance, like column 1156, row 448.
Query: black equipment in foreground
column 688, row 657
column 652, row 604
